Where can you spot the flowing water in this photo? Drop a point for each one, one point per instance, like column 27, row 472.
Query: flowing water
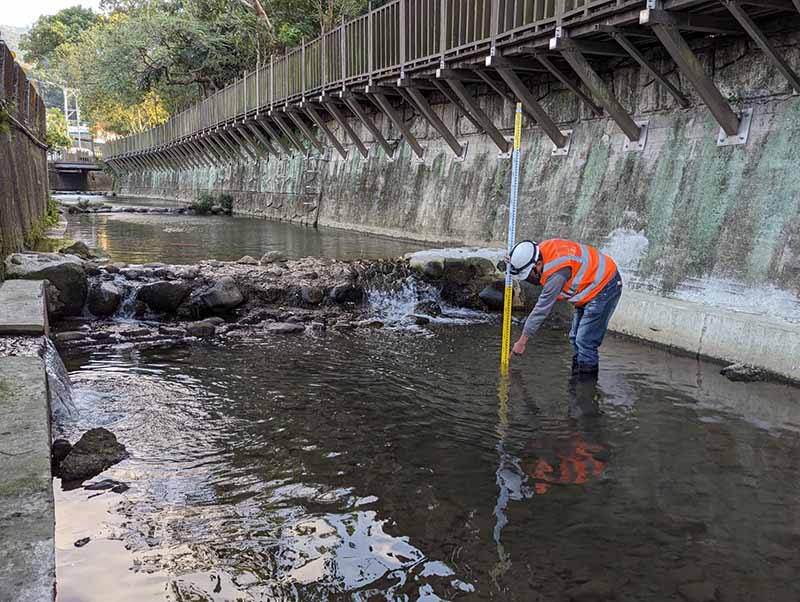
column 396, row 465
column 183, row 239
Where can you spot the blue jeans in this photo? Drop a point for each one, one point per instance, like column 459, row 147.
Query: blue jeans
column 589, row 323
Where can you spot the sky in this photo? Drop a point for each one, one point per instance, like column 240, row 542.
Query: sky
column 24, row 12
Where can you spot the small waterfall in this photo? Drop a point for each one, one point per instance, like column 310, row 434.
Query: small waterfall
column 127, row 305
column 397, row 305
column 62, row 406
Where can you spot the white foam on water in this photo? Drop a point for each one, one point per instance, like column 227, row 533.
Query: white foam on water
column 397, row 308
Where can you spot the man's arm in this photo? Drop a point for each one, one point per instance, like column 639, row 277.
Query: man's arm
column 544, row 305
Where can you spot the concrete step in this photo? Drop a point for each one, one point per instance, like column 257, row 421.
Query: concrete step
column 27, row 556
column 23, row 307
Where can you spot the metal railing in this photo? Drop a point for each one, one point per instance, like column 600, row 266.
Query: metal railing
column 401, row 35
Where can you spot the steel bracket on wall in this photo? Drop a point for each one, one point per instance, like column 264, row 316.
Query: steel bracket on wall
column 563, row 151
column 741, row 136
column 531, row 105
column 383, row 104
column 359, row 111
column 571, row 52
column 667, row 29
column 636, row 146
column 417, row 99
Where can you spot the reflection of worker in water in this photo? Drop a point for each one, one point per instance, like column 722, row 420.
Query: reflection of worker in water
column 577, row 273
column 568, row 462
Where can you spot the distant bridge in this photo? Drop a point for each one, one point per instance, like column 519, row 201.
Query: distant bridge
column 69, row 170
column 406, row 50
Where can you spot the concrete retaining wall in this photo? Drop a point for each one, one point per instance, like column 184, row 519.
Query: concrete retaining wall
column 23, row 162
column 715, row 227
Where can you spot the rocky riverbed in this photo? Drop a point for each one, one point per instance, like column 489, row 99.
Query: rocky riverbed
column 94, row 302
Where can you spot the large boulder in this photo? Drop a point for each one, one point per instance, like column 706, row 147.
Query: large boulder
column 95, row 451
column 79, row 249
column 493, row 295
column 201, row 329
column 104, row 299
column 273, row 257
column 743, row 373
column 163, row 296
column 223, row 296
column 347, row 293
column 67, row 283
column 312, row 295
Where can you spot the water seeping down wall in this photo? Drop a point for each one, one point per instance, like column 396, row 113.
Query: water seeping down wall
column 686, row 219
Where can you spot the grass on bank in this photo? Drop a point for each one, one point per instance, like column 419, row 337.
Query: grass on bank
column 47, row 221
column 207, row 202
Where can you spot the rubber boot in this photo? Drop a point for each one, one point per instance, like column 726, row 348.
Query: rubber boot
column 588, row 370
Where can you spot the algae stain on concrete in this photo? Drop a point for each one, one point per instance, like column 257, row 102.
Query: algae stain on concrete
column 591, row 180
column 661, row 198
column 776, row 200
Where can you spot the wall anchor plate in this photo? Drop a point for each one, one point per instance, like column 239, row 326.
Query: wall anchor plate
column 463, row 155
column 563, row 151
column 418, row 159
column 637, row 146
column 740, row 137
column 507, row 154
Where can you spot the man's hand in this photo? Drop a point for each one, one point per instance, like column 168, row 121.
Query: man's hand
column 519, row 346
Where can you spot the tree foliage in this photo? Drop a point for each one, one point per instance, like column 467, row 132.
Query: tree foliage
column 57, row 133
column 142, row 60
column 40, row 46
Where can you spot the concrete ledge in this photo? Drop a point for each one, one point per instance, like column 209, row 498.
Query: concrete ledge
column 23, row 307
column 27, row 555
column 709, row 331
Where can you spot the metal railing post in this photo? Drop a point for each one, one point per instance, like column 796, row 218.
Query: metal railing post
column 343, row 45
column 370, row 60
column 303, row 69
column 494, row 24
column 403, row 36
column 443, row 42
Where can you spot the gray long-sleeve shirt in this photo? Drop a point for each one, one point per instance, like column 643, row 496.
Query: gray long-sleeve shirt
column 547, row 299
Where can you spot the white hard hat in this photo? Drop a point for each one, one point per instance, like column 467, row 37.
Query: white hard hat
column 523, row 257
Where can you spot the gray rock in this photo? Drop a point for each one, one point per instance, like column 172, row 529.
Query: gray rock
column 743, row 373
column 370, row 323
column 318, row 326
column 60, row 450
column 493, row 295
column 79, row 249
column 428, row 308
column 104, row 299
column 95, row 451
column 201, row 329
column 69, row 336
column 223, row 296
column 433, row 270
column 163, row 296
column 698, row 592
column 347, row 293
column 132, row 273
column 247, row 260
column 171, row 331
column 189, row 273
column 215, row 320
column 114, row 268
column 273, row 257
column 421, row 320
column 68, row 286
column 312, row 294
column 284, row 328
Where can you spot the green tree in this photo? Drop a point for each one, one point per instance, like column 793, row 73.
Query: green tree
column 57, row 134
column 41, row 44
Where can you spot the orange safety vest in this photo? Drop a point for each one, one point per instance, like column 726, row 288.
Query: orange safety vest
column 591, row 269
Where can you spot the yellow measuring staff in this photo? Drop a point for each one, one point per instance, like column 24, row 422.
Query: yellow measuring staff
column 512, row 227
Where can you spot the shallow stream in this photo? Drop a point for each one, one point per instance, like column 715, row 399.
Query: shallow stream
column 396, row 465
